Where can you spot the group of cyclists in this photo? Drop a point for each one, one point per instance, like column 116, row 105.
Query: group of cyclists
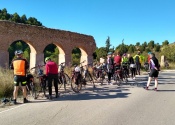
column 113, row 63
column 117, row 62
column 20, row 67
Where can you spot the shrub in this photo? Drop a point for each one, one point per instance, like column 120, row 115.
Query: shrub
column 6, row 83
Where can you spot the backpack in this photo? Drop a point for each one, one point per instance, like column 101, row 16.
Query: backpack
column 137, row 59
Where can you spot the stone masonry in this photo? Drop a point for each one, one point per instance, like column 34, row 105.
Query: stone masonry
column 39, row 37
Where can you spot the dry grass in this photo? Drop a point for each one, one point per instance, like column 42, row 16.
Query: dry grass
column 6, row 82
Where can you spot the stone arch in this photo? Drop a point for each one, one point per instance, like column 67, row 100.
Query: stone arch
column 38, row 37
column 84, row 55
column 61, row 55
column 32, row 53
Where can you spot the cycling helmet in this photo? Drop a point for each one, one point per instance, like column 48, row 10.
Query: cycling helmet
column 124, row 54
column 18, row 52
column 47, row 58
column 109, row 53
column 149, row 53
column 77, row 69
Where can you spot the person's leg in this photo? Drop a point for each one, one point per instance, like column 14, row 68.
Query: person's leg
column 156, row 82
column 16, row 88
column 109, row 77
column 15, row 92
column 132, row 72
column 50, row 84
column 56, row 84
column 139, row 66
column 148, row 83
column 23, row 84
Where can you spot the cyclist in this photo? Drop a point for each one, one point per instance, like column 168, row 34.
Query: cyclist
column 137, row 60
column 110, row 67
column 154, row 66
column 125, row 62
column 117, row 60
column 19, row 65
column 51, row 69
column 132, row 66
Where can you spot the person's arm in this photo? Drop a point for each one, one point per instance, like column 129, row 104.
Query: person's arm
column 26, row 64
column 46, row 68
column 11, row 65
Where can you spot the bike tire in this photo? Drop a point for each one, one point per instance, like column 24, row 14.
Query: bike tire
column 89, row 78
column 59, row 84
column 76, row 87
column 68, row 81
column 33, row 90
column 64, row 82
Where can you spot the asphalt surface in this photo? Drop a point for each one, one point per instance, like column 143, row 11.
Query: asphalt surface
column 106, row 105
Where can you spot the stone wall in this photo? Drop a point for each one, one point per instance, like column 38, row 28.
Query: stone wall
column 39, row 37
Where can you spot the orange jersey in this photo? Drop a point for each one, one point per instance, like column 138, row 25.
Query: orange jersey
column 19, row 65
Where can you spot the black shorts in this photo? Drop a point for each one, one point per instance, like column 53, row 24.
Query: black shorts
column 20, row 79
column 154, row 73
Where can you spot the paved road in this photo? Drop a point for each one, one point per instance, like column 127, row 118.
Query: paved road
column 107, row 105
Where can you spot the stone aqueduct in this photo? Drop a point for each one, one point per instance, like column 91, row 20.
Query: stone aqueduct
column 39, row 37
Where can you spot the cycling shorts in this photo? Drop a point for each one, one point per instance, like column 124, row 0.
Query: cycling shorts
column 20, row 79
column 154, row 73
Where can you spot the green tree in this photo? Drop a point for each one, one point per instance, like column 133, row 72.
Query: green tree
column 108, row 44
column 16, row 18
column 165, row 43
column 151, row 44
column 23, row 19
column 137, row 43
column 101, row 52
column 33, row 21
column 157, row 47
column 131, row 49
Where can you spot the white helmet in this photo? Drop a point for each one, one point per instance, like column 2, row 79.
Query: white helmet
column 77, row 69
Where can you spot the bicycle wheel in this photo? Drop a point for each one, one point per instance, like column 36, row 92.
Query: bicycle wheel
column 95, row 75
column 60, row 83
column 33, row 90
column 76, row 84
column 89, row 78
column 119, row 79
column 67, row 79
column 64, row 81
column 125, row 77
column 43, row 87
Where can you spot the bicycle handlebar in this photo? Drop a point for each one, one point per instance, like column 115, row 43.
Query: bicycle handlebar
column 38, row 66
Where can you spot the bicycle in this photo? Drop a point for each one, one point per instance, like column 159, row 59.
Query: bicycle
column 77, row 79
column 118, row 77
column 63, row 78
column 99, row 73
column 42, row 80
column 31, row 86
column 125, row 70
column 87, row 76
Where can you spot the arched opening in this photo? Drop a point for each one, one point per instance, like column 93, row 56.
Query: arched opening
column 79, row 55
column 55, row 52
column 26, row 47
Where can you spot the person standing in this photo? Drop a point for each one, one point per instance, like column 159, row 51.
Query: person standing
column 154, row 71
column 19, row 65
column 125, row 63
column 137, row 59
column 110, row 67
column 51, row 69
column 132, row 66
column 117, row 60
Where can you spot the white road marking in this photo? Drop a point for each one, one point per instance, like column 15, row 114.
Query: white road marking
column 12, row 108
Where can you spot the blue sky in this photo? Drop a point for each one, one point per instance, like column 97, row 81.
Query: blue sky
column 131, row 20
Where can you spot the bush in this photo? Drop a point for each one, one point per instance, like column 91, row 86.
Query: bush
column 6, row 83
